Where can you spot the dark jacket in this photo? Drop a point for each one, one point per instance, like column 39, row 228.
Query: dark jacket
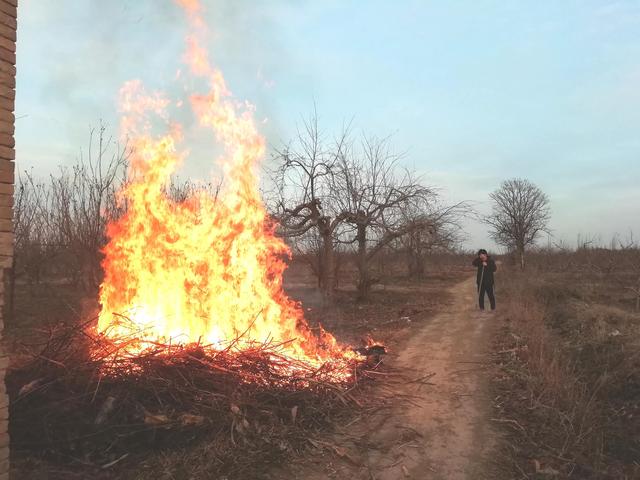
column 485, row 274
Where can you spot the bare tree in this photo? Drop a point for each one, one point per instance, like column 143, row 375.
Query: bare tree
column 83, row 201
column 65, row 217
column 629, row 243
column 371, row 192
column 352, row 195
column 439, row 229
column 520, row 214
column 29, row 228
column 303, row 202
column 31, row 236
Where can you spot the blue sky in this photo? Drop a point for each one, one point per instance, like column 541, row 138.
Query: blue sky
column 474, row 91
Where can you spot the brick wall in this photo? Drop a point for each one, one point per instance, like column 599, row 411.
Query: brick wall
column 8, row 15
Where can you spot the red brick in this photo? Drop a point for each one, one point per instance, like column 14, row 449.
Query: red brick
column 6, row 261
column 7, row 55
column 8, row 20
column 8, row 79
column 7, row 140
column 7, row 153
column 7, row 91
column 7, row 104
column 8, row 44
column 8, row 32
column 6, row 177
column 6, row 125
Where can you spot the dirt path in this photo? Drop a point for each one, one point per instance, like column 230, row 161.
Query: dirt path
column 445, row 431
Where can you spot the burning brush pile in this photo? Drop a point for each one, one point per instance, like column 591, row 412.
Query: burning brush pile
column 80, row 402
column 195, row 337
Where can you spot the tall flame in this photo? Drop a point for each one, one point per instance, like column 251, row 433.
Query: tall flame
column 208, row 269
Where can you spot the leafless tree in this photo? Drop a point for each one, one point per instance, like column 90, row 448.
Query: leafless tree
column 303, row 202
column 352, row 195
column 83, row 201
column 520, row 214
column 371, row 191
column 439, row 230
column 628, row 243
column 65, row 216
column 31, row 235
column 28, row 225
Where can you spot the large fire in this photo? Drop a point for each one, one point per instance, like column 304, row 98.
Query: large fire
column 207, row 270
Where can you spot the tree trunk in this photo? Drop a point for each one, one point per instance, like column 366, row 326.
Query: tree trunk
column 415, row 261
column 520, row 250
column 415, row 264
column 410, row 262
column 364, row 282
column 327, row 267
column 419, row 258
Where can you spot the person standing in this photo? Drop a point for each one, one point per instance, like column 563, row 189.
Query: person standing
column 485, row 280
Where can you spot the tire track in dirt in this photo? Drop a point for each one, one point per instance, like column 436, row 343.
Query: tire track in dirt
column 445, row 431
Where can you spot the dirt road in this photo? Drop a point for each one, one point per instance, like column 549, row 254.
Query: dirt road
column 443, row 432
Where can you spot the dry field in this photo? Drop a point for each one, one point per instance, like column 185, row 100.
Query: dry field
column 547, row 388
column 567, row 392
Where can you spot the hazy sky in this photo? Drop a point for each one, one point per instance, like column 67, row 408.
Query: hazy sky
column 474, row 91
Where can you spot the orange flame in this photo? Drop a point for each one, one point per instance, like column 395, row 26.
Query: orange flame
column 207, row 270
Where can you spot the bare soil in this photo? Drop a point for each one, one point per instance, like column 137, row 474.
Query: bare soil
column 439, row 430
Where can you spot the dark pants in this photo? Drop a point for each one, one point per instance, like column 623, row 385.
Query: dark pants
column 488, row 289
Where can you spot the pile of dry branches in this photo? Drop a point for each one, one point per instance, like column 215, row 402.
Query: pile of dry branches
column 75, row 402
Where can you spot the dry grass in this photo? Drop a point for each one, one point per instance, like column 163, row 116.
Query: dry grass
column 570, row 383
